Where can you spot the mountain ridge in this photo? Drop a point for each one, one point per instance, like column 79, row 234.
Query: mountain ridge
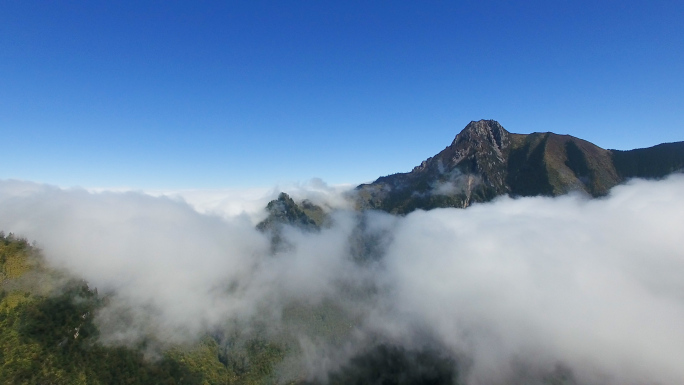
column 485, row 161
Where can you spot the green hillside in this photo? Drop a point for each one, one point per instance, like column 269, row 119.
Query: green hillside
column 48, row 336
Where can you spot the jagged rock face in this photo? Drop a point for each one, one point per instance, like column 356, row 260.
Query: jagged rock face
column 472, row 168
column 485, row 161
column 481, row 149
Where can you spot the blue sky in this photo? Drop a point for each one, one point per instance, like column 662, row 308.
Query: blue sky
column 171, row 94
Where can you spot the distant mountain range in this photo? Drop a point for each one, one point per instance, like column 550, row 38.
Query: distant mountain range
column 485, row 161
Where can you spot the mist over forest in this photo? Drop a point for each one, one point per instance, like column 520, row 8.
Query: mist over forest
column 441, row 248
column 568, row 289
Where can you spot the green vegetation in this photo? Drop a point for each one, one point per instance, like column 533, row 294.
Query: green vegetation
column 51, row 337
column 15, row 257
column 386, row 364
column 285, row 211
column 527, row 173
column 652, row 162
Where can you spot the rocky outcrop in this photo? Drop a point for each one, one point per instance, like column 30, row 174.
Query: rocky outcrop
column 284, row 211
column 472, row 168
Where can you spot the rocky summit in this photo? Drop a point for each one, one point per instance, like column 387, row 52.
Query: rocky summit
column 485, row 161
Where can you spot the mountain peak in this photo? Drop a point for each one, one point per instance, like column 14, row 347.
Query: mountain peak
column 484, row 131
column 485, row 161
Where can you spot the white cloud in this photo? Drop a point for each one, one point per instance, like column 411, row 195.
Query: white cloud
column 592, row 285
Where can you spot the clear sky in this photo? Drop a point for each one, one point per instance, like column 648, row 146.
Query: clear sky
column 203, row 94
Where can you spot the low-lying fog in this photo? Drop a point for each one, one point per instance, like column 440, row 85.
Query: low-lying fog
column 508, row 289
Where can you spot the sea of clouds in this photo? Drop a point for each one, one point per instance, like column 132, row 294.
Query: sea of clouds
column 511, row 289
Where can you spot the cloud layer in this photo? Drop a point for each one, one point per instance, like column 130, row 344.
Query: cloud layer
column 513, row 289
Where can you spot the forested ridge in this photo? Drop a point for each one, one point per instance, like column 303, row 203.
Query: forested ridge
column 48, row 336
